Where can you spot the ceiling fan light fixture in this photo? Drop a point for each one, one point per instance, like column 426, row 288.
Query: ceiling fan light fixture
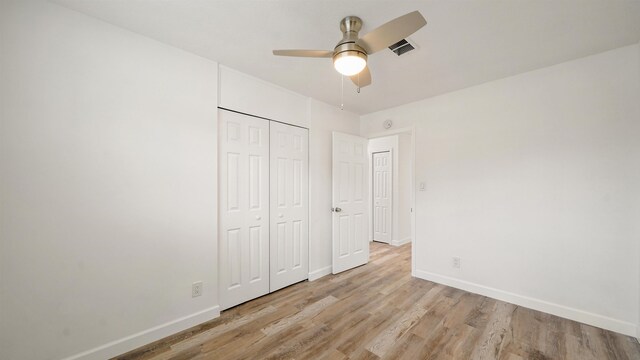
column 351, row 52
column 349, row 63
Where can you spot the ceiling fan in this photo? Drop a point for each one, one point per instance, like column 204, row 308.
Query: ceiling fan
column 350, row 54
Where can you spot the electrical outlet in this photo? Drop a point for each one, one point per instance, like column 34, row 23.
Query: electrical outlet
column 196, row 289
column 423, row 186
column 455, row 262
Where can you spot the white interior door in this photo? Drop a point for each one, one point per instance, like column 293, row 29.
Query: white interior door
column 289, row 205
column 350, row 201
column 244, row 208
column 382, row 192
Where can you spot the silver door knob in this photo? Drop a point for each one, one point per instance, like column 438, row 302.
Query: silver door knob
column 337, row 209
column 280, row 215
column 258, row 217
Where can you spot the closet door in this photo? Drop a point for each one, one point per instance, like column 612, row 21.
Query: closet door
column 244, row 208
column 289, row 205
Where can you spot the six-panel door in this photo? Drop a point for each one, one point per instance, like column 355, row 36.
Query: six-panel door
column 382, row 196
column 244, row 208
column 350, row 201
column 289, row 205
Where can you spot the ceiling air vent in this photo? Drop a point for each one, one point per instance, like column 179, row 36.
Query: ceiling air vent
column 402, row 47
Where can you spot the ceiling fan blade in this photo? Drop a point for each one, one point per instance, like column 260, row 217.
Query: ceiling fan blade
column 392, row 32
column 363, row 78
column 305, row 53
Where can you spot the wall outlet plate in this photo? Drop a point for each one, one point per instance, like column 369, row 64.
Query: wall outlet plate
column 455, row 262
column 196, row 289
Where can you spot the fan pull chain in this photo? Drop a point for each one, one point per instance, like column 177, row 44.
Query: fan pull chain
column 359, row 83
column 342, row 93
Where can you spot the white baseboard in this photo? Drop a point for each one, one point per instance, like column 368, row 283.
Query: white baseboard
column 401, row 241
column 145, row 337
column 600, row 321
column 317, row 274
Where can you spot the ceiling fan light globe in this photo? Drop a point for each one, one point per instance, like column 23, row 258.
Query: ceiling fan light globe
column 350, row 63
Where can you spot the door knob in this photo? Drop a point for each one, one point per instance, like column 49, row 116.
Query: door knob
column 337, row 209
column 258, row 217
column 280, row 216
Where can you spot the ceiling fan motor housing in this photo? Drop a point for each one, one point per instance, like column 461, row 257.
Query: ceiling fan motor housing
column 350, row 26
column 349, row 49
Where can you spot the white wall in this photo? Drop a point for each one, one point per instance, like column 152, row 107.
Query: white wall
column 533, row 182
column 107, row 186
column 250, row 95
column 324, row 119
column 109, row 182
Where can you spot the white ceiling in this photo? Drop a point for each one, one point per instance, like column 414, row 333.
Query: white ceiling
column 464, row 43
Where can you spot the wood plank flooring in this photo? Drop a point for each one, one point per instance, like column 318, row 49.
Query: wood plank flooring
column 378, row 311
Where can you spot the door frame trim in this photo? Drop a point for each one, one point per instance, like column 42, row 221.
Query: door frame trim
column 407, row 130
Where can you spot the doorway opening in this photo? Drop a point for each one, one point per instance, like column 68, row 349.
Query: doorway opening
column 388, row 159
column 391, row 184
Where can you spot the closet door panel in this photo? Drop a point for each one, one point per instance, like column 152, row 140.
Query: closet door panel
column 289, row 205
column 244, row 208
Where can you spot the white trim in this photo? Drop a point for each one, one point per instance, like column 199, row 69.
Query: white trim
column 413, row 199
column 390, row 132
column 317, row 274
column 401, row 241
column 638, row 325
column 121, row 346
column 566, row 312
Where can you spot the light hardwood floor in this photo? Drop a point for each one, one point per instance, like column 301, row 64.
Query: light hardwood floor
column 378, row 311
